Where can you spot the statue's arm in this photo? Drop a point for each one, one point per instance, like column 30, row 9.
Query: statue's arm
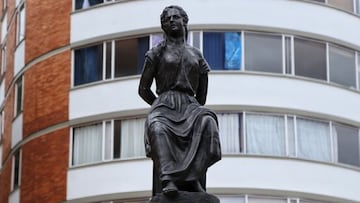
column 202, row 89
column 146, row 80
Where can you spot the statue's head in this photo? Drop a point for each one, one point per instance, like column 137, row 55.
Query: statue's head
column 166, row 19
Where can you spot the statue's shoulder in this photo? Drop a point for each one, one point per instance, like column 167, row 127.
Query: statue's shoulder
column 195, row 50
column 155, row 52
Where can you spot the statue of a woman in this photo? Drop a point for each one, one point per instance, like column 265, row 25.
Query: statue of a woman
column 181, row 136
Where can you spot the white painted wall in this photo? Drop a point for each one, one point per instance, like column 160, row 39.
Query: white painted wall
column 19, row 62
column 14, row 196
column 230, row 174
column 17, row 134
column 295, row 17
column 115, row 177
column 243, row 90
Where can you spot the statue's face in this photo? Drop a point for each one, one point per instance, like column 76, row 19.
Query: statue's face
column 173, row 23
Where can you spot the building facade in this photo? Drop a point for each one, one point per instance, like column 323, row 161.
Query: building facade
column 285, row 84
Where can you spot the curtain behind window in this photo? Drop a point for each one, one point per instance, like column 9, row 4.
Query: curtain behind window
column 229, row 133
column 132, row 138
column 265, row 134
column 214, row 49
column 87, row 146
column 313, row 138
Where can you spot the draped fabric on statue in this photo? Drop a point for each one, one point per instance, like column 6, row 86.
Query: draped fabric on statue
column 177, row 118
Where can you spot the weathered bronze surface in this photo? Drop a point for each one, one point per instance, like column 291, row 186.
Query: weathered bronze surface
column 181, row 135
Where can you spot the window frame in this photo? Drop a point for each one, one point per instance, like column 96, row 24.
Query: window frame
column 13, row 185
column 19, row 109
column 20, row 23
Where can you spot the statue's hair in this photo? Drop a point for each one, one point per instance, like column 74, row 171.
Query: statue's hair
column 182, row 13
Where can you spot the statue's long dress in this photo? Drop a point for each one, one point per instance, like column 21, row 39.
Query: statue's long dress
column 181, row 136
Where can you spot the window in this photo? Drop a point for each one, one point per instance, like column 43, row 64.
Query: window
column 4, row 28
column 357, row 8
column 266, row 200
column 263, row 52
column 19, row 96
column 80, row 4
column 310, row 58
column 16, row 170
column 130, row 56
column 288, row 55
column 229, row 133
column 358, row 70
column 223, row 50
column 3, row 59
column 87, row 144
column 313, row 138
column 21, row 23
column 4, row 4
column 265, row 134
column 196, row 39
column 1, row 154
column 342, row 66
column 347, row 144
column 88, row 64
column 115, row 58
column 108, row 140
column 343, row 4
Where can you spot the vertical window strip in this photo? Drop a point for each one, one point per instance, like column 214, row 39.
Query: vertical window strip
column 243, row 68
column 283, row 54
column 201, row 40
column 287, row 150
column 334, row 137
column 104, row 60
column 244, row 132
column 357, row 75
column 327, row 63
column 112, row 59
column 295, row 137
column 332, row 143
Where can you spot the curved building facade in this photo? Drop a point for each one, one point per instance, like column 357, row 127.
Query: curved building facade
column 285, row 84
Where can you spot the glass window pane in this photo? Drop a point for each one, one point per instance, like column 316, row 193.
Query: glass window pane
column 79, row 4
column 214, row 49
column 291, row 136
column 132, row 138
column 130, row 55
column 266, row 200
column 21, row 32
column 87, row 144
column 310, row 58
column 108, row 141
column 358, row 69
column 3, row 59
column 116, row 139
column 343, row 4
column 108, row 59
column 348, row 144
column 288, row 58
column 229, row 131
column 88, row 64
column 265, row 134
column 313, row 138
column 16, row 171
column 156, row 39
column 357, row 6
column 263, row 52
column 232, row 51
column 196, row 39
column 19, row 95
column 342, row 66
column 232, row 199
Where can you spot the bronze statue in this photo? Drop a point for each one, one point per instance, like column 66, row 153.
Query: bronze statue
column 181, row 136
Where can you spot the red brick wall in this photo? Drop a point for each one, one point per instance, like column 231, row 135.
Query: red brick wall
column 47, row 26
column 46, row 93
column 44, row 168
column 5, row 181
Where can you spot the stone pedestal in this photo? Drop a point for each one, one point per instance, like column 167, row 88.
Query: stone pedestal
column 186, row 197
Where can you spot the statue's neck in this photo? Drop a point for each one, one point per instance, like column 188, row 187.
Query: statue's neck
column 175, row 40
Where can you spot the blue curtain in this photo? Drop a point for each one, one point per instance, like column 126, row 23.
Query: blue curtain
column 232, row 51
column 142, row 48
column 88, row 64
column 214, row 49
column 79, row 3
